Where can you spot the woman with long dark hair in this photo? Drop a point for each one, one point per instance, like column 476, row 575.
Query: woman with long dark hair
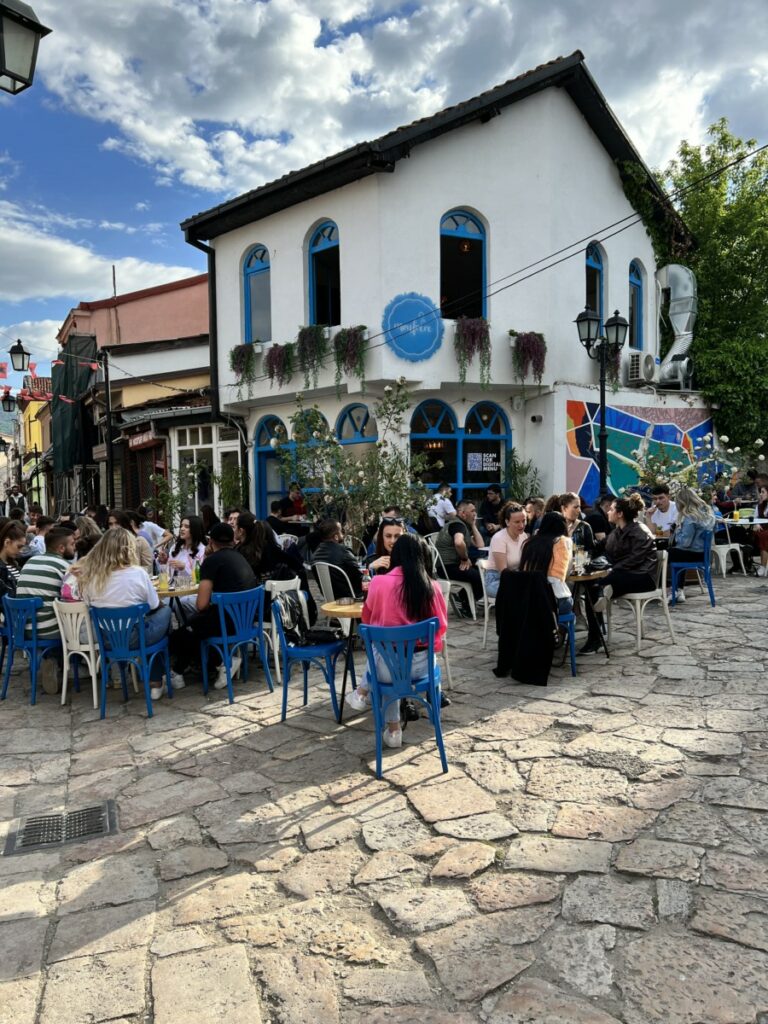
column 189, row 548
column 390, row 529
column 13, row 537
column 256, row 543
column 208, row 517
column 404, row 595
column 549, row 551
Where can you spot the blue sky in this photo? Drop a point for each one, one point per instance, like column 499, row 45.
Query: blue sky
column 145, row 113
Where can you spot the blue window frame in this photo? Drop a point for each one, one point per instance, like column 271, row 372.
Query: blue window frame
column 473, row 456
column 594, row 278
column 324, row 276
column 258, row 302
column 270, row 482
column 356, row 425
column 635, row 333
column 462, row 266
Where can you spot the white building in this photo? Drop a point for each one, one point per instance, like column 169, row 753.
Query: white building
column 509, row 206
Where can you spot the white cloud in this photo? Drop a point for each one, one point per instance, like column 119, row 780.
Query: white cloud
column 39, row 264
column 37, row 336
column 225, row 94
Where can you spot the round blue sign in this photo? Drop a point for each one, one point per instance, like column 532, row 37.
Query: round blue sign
column 412, row 326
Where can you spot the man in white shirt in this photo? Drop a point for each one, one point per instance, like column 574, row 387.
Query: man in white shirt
column 664, row 515
column 37, row 543
column 442, row 509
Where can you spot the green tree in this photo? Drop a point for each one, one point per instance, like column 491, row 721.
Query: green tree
column 728, row 216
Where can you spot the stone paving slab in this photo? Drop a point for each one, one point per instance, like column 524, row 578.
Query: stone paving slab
column 596, row 854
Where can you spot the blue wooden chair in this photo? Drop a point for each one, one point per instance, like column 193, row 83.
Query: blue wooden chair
column 569, row 621
column 114, row 629
column 396, row 646
column 704, row 566
column 241, row 618
column 322, row 656
column 20, row 634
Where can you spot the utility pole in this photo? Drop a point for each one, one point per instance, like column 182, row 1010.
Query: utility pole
column 104, row 358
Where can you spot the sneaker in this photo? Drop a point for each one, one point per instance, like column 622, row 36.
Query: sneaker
column 445, row 700
column 600, row 604
column 221, row 678
column 358, row 700
column 680, row 599
column 177, row 681
column 590, row 647
column 393, row 739
column 156, row 692
column 50, row 675
column 762, row 570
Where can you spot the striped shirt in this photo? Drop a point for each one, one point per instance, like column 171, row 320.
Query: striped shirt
column 41, row 577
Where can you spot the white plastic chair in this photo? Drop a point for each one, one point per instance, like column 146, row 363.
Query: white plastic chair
column 273, row 587
column 488, row 602
column 286, row 539
column 355, row 545
column 720, row 551
column 71, row 617
column 324, row 572
column 641, row 601
column 445, row 586
column 456, row 585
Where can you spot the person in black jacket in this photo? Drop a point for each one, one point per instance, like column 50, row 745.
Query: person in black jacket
column 256, row 543
column 330, row 549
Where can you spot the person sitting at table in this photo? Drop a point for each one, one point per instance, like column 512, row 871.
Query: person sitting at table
column 256, row 543
column 224, row 571
column 490, row 511
column 87, row 536
column 579, row 529
column 110, row 577
column 534, row 510
column 743, row 490
column 13, row 537
column 632, row 553
column 390, row 529
column 188, row 550
column 761, row 529
column 293, row 506
column 330, row 548
column 599, row 519
column 441, row 510
column 506, row 546
column 549, row 551
column 453, row 543
column 663, row 516
column 694, row 519
column 209, row 518
column 43, row 524
column 401, row 597
column 125, row 521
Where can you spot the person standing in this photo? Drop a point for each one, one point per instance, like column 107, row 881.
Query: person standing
column 16, row 500
column 442, row 508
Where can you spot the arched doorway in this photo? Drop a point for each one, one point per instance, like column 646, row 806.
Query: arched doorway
column 270, row 483
column 487, row 440
column 435, row 435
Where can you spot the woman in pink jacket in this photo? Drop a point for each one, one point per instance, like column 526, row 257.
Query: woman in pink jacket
column 404, row 595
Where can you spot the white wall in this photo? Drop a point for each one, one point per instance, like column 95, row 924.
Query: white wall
column 540, row 180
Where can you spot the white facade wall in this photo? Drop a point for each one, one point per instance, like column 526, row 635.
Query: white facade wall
column 541, row 182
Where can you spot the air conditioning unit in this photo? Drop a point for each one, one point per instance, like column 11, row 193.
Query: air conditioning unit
column 641, row 369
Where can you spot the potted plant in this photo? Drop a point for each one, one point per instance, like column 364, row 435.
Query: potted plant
column 349, row 348
column 529, row 354
column 472, row 337
column 312, row 348
column 242, row 362
column 279, row 363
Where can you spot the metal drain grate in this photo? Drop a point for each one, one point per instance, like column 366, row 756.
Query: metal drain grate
column 45, row 830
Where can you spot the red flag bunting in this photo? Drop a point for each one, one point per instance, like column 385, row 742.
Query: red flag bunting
column 57, row 362
column 69, row 401
column 32, row 368
column 3, row 371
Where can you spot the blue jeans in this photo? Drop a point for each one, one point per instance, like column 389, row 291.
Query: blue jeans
column 492, row 580
column 156, row 626
column 418, row 671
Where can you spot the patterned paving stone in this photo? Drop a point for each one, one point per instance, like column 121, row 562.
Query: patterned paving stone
column 217, row 978
column 535, row 1001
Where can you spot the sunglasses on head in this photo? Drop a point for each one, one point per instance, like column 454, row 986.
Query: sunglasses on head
column 392, row 521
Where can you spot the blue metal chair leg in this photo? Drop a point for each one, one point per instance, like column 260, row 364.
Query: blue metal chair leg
column 330, row 675
column 7, row 676
column 286, row 680
column 305, row 666
column 204, row 665
column 34, row 665
column 103, row 695
column 147, row 685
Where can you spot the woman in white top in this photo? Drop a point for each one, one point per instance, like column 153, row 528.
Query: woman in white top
column 506, row 545
column 188, row 550
column 110, row 577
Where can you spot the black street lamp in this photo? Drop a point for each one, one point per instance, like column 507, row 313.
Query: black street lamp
column 599, row 347
column 3, row 446
column 19, row 357
column 20, row 35
column 8, row 402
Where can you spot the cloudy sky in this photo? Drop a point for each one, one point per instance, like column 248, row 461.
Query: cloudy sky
column 146, row 112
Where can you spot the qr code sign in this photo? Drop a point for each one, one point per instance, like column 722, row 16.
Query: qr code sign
column 474, row 462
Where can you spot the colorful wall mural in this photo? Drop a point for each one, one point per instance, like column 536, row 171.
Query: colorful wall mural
column 627, row 426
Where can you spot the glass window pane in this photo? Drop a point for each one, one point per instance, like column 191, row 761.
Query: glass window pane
column 206, row 435
column 438, row 450
column 194, row 435
column 461, row 277
column 182, row 437
column 261, row 312
column 228, row 433
column 327, row 286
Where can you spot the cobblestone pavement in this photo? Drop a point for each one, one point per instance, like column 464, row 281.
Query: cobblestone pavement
column 598, row 852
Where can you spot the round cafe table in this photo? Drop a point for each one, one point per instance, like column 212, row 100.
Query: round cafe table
column 174, row 593
column 574, row 580
column 353, row 612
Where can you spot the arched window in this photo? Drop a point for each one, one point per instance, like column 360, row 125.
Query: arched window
column 434, row 434
column 270, row 483
column 635, row 333
column 256, row 288
column 462, row 266
column 485, row 446
column 355, row 425
column 594, row 275
column 324, row 276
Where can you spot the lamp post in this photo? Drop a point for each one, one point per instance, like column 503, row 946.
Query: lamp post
column 8, row 402
column 20, row 35
column 19, row 357
column 598, row 347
